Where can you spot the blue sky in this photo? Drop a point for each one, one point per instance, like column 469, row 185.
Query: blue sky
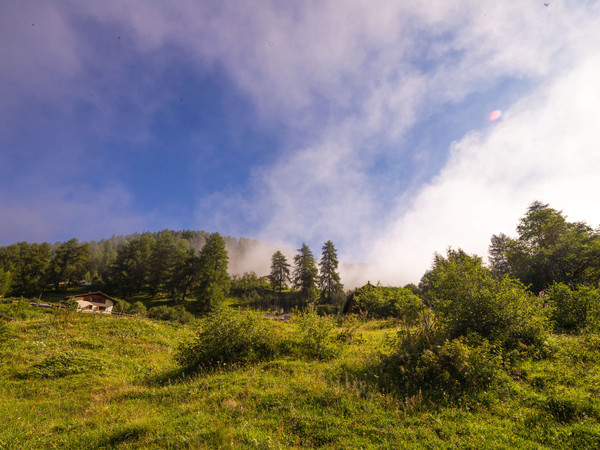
column 364, row 123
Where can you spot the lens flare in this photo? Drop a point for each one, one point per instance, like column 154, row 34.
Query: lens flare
column 494, row 115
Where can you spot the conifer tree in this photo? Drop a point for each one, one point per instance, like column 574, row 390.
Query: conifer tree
column 280, row 271
column 69, row 262
column 167, row 254
column 214, row 281
column 130, row 271
column 329, row 278
column 305, row 273
column 27, row 264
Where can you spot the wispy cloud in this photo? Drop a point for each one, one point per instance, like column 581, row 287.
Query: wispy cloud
column 467, row 51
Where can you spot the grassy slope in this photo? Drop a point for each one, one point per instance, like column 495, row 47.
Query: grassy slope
column 117, row 385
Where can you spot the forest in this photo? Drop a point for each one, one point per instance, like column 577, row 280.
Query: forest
column 503, row 354
column 172, row 265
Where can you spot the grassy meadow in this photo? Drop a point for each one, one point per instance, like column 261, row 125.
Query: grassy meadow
column 72, row 380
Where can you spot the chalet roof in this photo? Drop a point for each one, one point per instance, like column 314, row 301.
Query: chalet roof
column 102, row 294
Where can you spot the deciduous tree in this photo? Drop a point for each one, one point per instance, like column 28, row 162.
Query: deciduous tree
column 469, row 301
column 548, row 250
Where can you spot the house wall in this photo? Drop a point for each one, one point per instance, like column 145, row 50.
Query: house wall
column 84, row 305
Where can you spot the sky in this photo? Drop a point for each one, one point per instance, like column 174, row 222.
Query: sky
column 365, row 123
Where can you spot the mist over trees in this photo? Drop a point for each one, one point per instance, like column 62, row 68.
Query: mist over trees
column 173, row 265
column 161, row 263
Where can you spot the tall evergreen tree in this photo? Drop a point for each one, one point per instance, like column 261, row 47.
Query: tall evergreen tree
column 185, row 276
column 214, row 282
column 129, row 273
column 103, row 254
column 280, row 271
column 27, row 264
column 69, row 263
column 166, row 255
column 329, row 278
column 305, row 273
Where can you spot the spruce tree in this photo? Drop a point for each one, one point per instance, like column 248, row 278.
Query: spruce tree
column 280, row 271
column 305, row 273
column 329, row 279
column 214, row 281
column 69, row 263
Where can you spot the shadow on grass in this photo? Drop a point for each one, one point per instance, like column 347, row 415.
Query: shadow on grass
column 171, row 376
column 128, row 434
column 182, row 375
column 386, row 377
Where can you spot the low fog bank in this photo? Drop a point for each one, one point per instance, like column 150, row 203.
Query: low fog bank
column 255, row 256
column 247, row 255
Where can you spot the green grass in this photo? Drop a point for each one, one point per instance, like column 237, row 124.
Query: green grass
column 94, row 381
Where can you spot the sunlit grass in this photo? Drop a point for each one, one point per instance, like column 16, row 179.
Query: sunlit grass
column 126, row 391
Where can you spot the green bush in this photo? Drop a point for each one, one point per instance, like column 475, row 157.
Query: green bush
column 468, row 300
column 63, row 317
column 70, row 303
column 171, row 314
column 574, row 310
column 384, row 302
column 349, row 326
column 421, row 360
column 229, row 337
column 138, row 309
column 315, row 337
column 121, row 307
column 327, row 310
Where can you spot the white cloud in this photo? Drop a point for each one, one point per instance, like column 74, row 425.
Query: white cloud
column 544, row 148
column 470, row 48
column 315, row 192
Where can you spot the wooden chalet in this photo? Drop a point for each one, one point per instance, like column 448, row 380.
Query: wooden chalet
column 94, row 302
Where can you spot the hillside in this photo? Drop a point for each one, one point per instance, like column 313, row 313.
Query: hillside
column 91, row 381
